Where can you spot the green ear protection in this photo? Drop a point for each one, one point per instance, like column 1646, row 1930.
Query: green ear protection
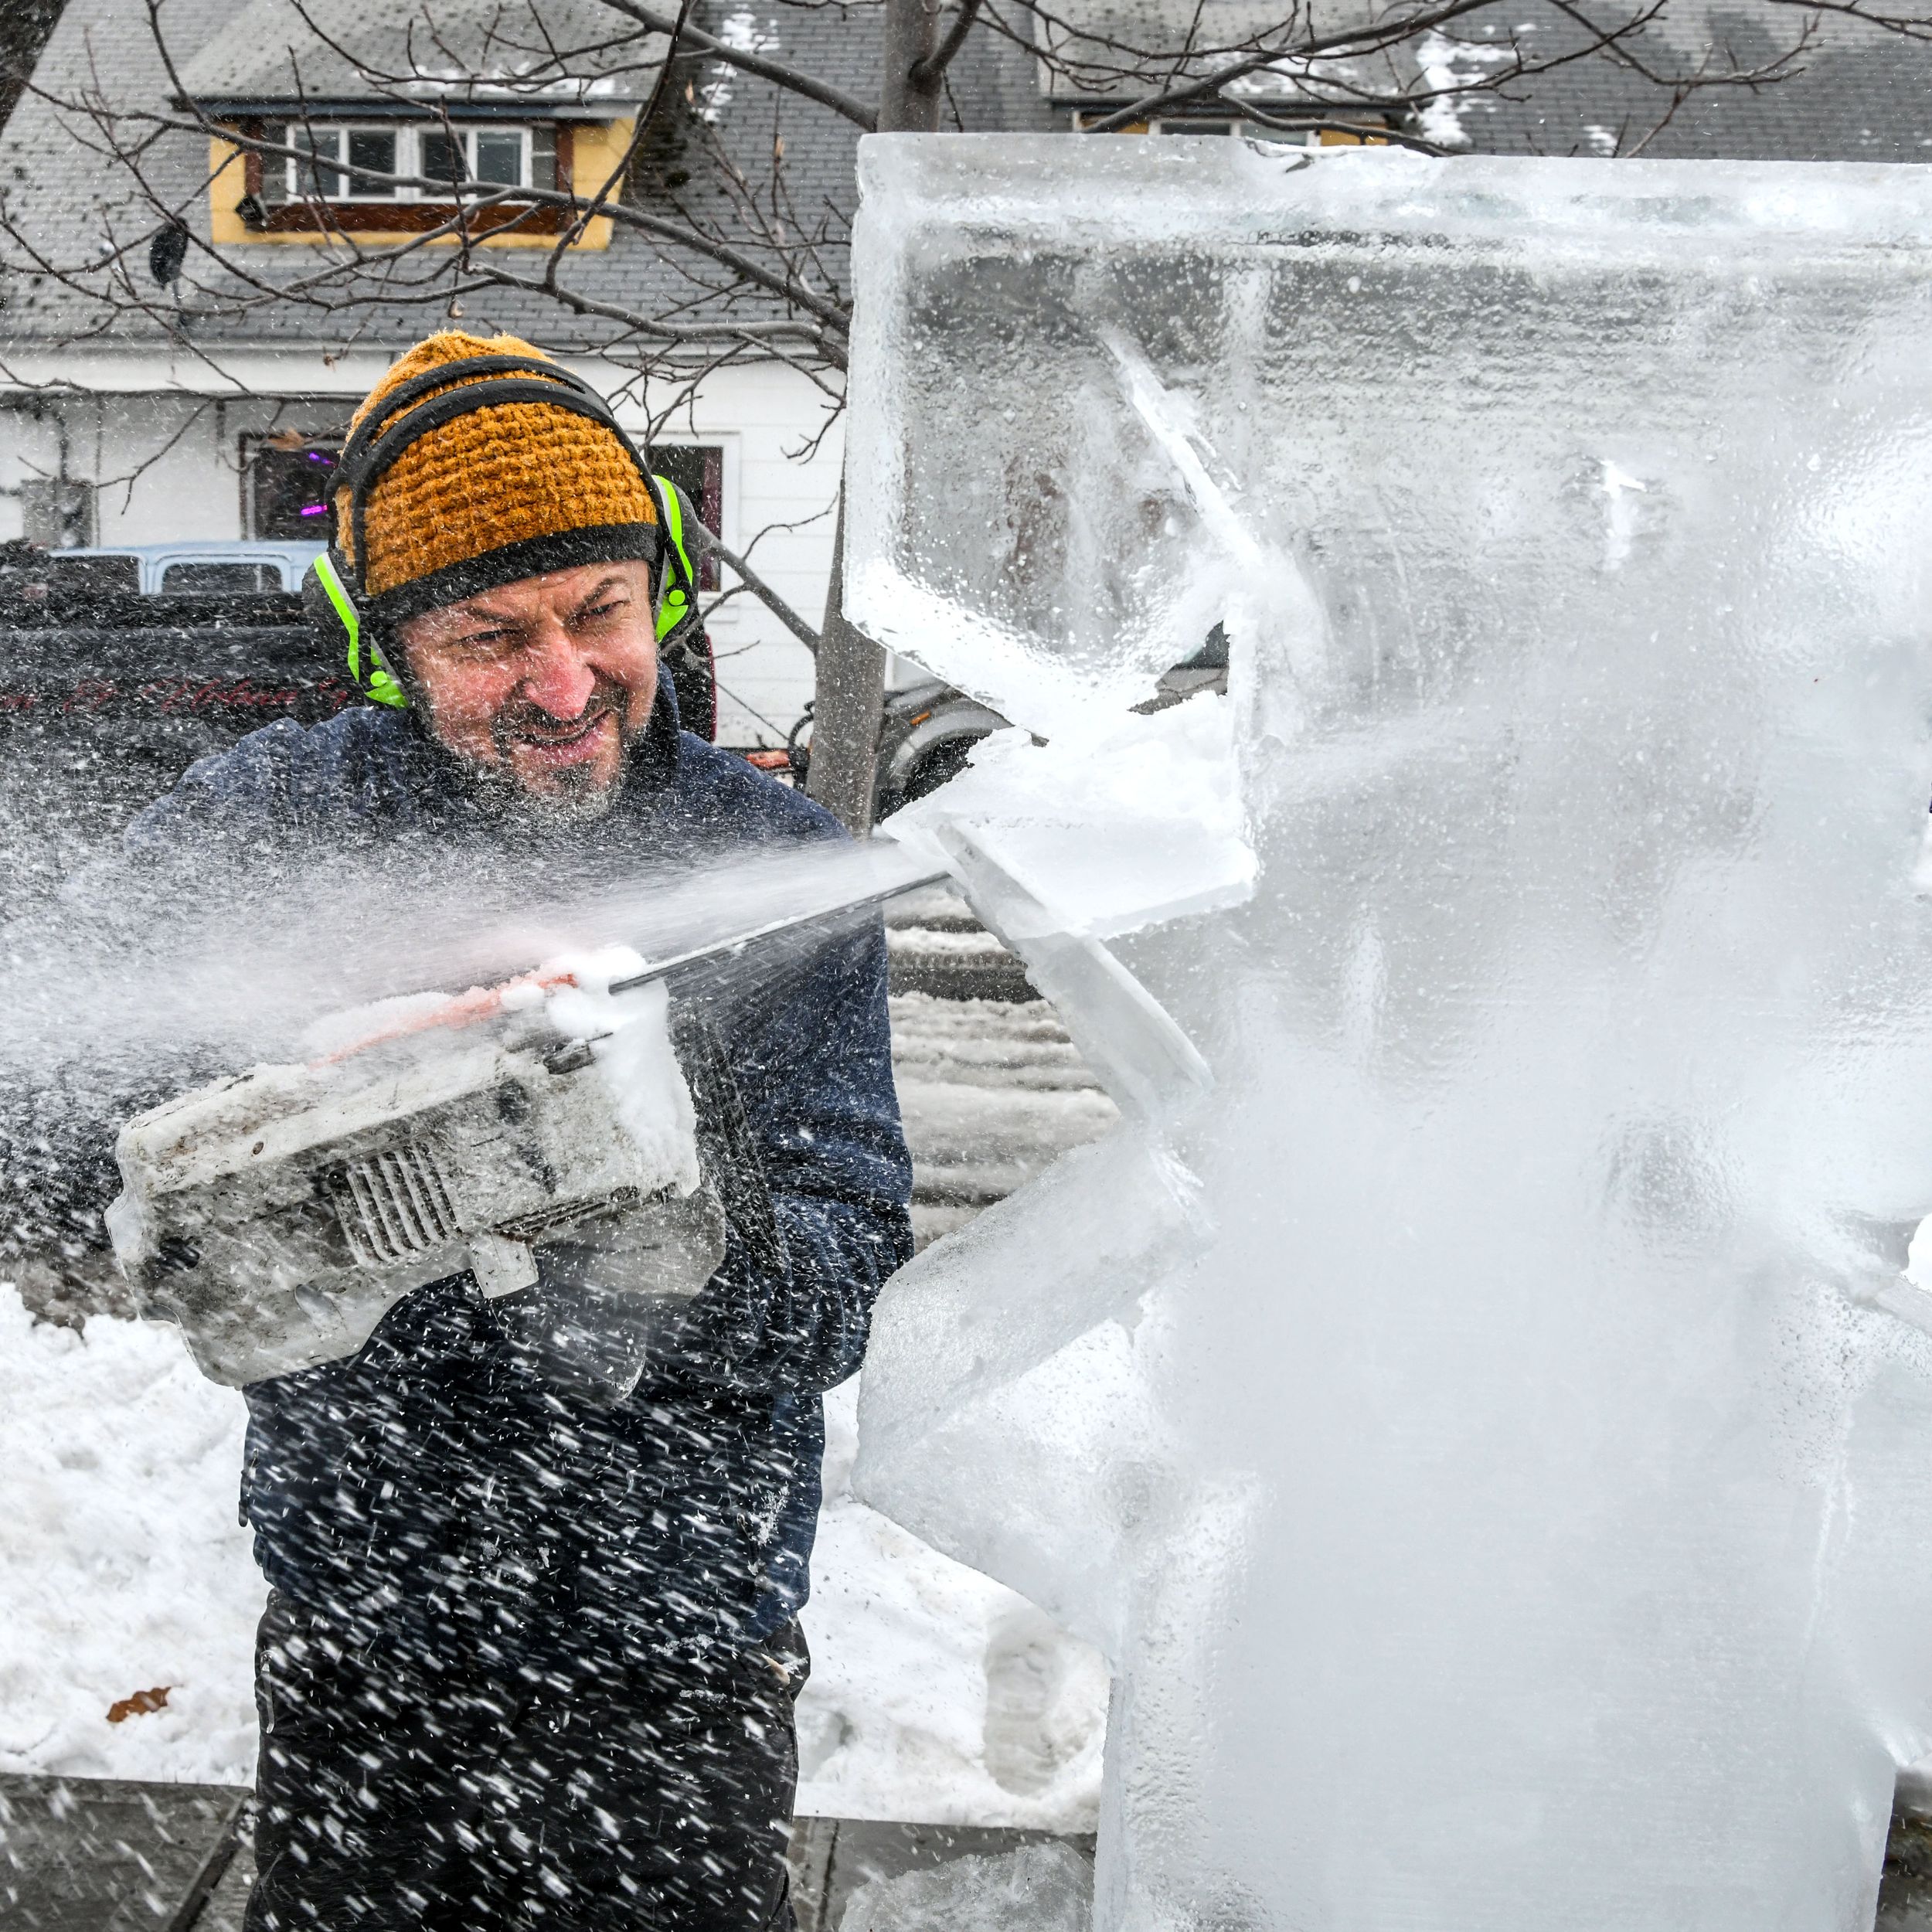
column 330, row 608
column 334, row 596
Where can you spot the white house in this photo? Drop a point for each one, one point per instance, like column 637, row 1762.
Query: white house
column 145, row 398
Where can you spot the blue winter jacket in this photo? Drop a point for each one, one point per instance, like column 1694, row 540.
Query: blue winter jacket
column 433, row 1493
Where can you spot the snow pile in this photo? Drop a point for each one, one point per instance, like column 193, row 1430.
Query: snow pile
column 122, row 1568
column 936, row 1694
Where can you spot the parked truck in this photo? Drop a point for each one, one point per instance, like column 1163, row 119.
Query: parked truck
column 119, row 667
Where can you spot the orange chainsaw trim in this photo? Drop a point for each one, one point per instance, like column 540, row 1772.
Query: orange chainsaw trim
column 463, row 1009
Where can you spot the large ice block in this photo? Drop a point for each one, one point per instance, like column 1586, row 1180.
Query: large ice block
column 1481, row 1417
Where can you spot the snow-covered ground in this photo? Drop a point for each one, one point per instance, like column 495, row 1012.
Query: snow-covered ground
column 936, row 1694
column 122, row 1567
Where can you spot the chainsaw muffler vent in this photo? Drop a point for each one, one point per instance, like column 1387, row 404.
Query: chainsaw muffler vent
column 393, row 1205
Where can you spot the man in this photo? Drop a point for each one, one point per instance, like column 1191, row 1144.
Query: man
column 532, row 1647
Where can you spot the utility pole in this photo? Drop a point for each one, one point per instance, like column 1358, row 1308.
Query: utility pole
column 849, row 694
column 851, row 684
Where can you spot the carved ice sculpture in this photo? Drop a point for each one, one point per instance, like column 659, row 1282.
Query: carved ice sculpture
column 1478, row 1411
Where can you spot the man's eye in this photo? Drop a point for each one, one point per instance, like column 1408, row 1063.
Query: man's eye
column 606, row 608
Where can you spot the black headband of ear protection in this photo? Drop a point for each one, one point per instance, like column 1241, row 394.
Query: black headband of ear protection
column 479, row 382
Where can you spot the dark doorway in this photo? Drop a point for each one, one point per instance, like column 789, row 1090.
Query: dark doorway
column 698, row 470
column 285, row 485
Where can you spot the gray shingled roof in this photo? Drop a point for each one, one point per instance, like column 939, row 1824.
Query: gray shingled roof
column 1090, row 40
column 1860, row 95
column 1855, row 94
column 551, row 53
column 103, row 50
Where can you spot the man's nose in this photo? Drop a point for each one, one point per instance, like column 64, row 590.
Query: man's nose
column 555, row 676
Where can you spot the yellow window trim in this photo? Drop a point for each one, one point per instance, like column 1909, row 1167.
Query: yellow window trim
column 598, row 148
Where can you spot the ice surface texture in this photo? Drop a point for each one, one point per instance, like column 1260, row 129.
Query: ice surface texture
column 1039, row 1888
column 1488, row 1432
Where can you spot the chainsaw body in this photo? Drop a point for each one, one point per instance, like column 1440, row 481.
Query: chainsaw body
column 277, row 1216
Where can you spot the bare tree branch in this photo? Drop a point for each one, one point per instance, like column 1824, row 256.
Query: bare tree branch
column 926, row 72
column 854, row 110
column 1365, row 39
column 766, row 336
column 709, row 540
column 1319, row 124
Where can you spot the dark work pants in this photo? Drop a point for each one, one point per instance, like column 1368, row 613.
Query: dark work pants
column 389, row 1797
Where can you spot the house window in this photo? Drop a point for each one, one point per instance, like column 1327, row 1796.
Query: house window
column 206, row 580
column 491, row 156
column 1288, row 136
column 487, row 154
column 285, row 486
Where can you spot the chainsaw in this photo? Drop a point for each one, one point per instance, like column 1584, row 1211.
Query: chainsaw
column 511, row 1131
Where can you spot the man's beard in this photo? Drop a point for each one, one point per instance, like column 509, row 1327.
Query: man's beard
column 576, row 794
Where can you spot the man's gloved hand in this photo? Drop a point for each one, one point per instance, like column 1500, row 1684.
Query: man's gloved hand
column 615, row 1295
column 725, row 1322
column 595, row 1320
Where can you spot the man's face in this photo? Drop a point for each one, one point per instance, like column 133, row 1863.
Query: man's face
column 540, row 685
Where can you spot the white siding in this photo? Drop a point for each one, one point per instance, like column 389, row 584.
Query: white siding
column 764, row 417
column 167, row 467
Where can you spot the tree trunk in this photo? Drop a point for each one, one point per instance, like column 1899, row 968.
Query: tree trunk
column 908, row 106
column 850, row 689
column 849, row 693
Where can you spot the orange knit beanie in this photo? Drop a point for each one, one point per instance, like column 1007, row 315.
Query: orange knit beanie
column 509, row 491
